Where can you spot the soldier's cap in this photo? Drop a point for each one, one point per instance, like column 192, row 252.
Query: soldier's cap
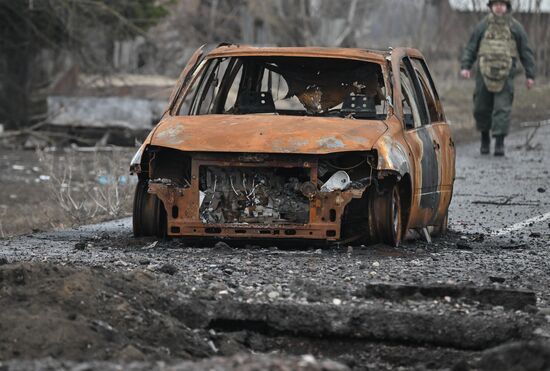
column 507, row 2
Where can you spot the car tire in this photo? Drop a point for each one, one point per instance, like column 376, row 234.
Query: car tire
column 149, row 215
column 387, row 214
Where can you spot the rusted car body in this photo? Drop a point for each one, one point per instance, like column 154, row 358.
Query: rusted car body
column 298, row 143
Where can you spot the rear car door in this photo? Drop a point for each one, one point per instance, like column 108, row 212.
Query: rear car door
column 411, row 107
column 442, row 135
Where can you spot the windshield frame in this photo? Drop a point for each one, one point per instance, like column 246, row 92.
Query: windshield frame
column 199, row 75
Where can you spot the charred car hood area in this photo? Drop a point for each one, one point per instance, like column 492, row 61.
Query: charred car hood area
column 267, row 133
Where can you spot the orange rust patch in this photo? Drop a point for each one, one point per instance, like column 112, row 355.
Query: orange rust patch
column 267, row 134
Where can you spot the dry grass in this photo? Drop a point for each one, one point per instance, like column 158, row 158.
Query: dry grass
column 64, row 189
column 3, row 213
column 87, row 189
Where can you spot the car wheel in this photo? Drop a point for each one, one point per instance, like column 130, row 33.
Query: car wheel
column 149, row 215
column 388, row 216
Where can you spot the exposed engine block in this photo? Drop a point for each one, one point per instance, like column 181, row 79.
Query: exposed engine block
column 253, row 195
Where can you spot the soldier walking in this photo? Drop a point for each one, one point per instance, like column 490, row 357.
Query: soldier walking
column 497, row 41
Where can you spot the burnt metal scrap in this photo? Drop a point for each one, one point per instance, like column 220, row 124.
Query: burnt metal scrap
column 298, row 143
column 234, row 195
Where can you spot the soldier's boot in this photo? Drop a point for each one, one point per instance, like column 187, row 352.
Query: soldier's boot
column 485, row 143
column 499, row 145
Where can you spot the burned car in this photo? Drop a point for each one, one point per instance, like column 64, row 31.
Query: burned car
column 298, row 143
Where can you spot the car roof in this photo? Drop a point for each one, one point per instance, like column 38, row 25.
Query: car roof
column 343, row 53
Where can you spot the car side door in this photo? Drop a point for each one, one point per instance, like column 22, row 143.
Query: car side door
column 412, row 108
column 442, row 135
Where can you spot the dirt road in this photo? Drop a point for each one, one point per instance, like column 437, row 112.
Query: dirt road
column 478, row 298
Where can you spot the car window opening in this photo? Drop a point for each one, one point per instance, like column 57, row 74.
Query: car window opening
column 411, row 116
column 287, row 86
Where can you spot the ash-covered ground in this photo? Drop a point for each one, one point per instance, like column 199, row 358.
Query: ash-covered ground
column 478, row 298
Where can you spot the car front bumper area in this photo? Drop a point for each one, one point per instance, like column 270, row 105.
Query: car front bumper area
column 252, row 198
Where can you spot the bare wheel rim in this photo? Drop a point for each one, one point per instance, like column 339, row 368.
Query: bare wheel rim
column 386, row 214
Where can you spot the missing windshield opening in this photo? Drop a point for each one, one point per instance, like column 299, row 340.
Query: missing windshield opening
column 288, row 86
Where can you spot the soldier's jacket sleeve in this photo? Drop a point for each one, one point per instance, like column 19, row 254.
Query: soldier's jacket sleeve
column 469, row 55
column 525, row 52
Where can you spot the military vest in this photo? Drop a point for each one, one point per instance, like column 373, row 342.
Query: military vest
column 496, row 52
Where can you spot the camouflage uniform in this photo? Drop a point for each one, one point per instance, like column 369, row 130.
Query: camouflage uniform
column 497, row 41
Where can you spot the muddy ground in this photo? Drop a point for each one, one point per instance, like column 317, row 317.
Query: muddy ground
column 478, row 298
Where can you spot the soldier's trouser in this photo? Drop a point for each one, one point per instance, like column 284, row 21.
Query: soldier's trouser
column 492, row 110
